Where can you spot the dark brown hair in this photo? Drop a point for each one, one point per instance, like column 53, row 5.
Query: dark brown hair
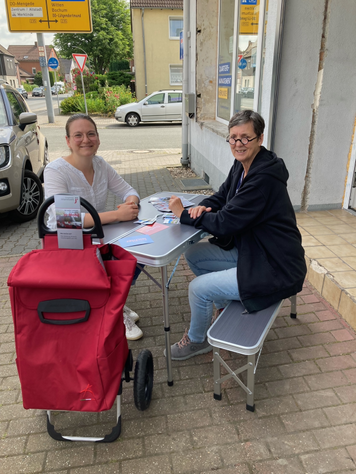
column 75, row 117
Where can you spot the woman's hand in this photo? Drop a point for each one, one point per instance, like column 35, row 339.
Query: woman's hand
column 176, row 206
column 127, row 211
column 195, row 212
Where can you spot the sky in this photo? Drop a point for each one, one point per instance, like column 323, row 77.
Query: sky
column 7, row 38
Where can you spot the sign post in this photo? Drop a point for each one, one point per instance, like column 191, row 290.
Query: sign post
column 80, row 59
column 45, row 77
column 53, row 64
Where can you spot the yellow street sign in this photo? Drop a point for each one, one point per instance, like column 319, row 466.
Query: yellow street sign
column 41, row 16
column 249, row 13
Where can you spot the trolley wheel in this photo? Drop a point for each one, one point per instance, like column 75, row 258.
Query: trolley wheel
column 143, row 381
column 128, row 366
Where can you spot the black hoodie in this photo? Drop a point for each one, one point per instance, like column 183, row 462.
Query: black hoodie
column 261, row 219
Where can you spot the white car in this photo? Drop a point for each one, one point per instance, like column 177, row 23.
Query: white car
column 161, row 106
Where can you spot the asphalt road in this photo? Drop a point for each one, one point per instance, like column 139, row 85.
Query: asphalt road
column 114, row 135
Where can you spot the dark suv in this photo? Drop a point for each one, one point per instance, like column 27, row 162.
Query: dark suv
column 23, row 157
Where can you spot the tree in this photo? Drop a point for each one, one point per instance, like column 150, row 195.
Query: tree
column 38, row 79
column 110, row 40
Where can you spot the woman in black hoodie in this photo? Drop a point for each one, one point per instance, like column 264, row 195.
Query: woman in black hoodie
column 257, row 258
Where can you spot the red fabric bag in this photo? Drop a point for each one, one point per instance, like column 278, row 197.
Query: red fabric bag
column 71, row 365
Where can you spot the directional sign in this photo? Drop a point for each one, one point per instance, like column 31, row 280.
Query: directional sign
column 55, row 16
column 249, row 13
column 80, row 60
column 53, row 63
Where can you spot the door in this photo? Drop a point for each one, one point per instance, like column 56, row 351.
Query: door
column 154, row 108
column 174, row 106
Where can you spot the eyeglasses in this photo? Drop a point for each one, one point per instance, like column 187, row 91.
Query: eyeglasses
column 244, row 141
column 78, row 137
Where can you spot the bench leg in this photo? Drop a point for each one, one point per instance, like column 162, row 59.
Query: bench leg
column 251, row 362
column 216, row 366
column 293, row 308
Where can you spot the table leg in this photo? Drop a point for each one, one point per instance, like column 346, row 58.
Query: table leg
column 166, row 325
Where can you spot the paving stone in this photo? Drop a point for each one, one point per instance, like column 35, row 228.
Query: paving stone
column 323, row 462
column 292, row 444
column 336, row 436
column 279, row 466
column 316, row 399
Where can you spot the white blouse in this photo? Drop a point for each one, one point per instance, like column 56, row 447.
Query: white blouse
column 60, row 177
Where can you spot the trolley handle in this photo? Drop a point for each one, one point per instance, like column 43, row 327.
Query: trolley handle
column 63, row 306
column 96, row 231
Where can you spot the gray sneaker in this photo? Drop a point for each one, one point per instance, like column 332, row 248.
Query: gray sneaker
column 185, row 348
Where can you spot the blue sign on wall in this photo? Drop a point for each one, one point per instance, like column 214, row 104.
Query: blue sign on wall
column 225, row 81
column 53, row 63
column 248, row 2
column 242, row 63
column 224, row 68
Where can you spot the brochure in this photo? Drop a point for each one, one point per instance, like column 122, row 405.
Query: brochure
column 131, row 241
column 161, row 203
column 69, row 221
column 152, row 229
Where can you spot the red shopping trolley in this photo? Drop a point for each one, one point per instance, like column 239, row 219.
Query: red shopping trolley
column 67, row 307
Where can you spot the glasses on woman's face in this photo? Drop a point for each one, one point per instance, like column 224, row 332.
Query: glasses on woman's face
column 244, row 140
column 78, row 137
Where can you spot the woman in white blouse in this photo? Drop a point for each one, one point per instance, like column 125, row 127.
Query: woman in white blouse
column 86, row 174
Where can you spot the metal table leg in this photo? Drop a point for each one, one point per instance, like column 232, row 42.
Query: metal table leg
column 166, row 324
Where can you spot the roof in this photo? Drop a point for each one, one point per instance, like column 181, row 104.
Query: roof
column 24, row 73
column 26, row 52
column 169, row 4
column 5, row 51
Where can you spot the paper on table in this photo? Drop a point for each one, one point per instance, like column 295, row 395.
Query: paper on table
column 152, row 229
column 161, row 203
column 131, row 241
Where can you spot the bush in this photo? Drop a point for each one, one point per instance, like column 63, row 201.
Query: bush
column 118, row 78
column 71, row 104
column 38, row 79
column 29, row 87
column 120, row 65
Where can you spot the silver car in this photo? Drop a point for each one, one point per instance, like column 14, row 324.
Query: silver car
column 160, row 106
column 23, row 157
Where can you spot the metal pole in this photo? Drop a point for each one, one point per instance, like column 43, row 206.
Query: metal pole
column 144, row 49
column 55, row 80
column 45, row 79
column 185, row 160
column 85, row 100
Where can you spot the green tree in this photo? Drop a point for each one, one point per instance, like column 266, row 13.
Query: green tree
column 38, row 78
column 110, row 40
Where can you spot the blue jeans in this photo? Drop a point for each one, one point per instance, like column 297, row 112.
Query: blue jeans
column 216, row 282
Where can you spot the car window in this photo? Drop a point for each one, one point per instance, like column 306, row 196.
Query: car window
column 156, row 99
column 17, row 105
column 174, row 97
column 3, row 118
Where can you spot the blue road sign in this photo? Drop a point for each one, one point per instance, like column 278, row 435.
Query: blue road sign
column 242, row 63
column 53, row 63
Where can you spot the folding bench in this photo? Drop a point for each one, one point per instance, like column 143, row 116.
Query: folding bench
column 243, row 333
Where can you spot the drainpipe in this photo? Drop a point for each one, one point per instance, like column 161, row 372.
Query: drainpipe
column 144, row 49
column 185, row 160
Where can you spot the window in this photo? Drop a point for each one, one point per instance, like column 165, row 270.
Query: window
column 175, row 27
column 33, row 70
column 175, row 75
column 17, row 105
column 174, row 97
column 238, row 37
column 156, row 99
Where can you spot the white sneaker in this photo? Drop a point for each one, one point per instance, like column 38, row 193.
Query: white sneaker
column 133, row 332
column 131, row 314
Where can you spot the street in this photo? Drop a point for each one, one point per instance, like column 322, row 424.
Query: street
column 113, row 135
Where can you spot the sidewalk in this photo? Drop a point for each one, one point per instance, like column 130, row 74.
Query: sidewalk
column 306, row 378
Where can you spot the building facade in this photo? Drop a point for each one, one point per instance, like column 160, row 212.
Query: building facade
column 9, row 70
column 282, row 58
column 156, row 27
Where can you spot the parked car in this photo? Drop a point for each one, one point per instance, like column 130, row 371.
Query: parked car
column 160, row 106
column 54, row 90
column 23, row 92
column 23, row 157
column 37, row 92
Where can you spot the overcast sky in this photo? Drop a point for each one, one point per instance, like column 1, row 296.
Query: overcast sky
column 7, row 38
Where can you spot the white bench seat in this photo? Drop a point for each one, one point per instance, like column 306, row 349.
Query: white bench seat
column 243, row 333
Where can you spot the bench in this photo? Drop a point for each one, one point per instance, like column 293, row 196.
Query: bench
column 243, row 333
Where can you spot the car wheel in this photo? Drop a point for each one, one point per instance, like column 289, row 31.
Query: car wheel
column 132, row 119
column 31, row 199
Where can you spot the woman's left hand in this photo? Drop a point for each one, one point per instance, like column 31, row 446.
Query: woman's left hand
column 176, row 206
